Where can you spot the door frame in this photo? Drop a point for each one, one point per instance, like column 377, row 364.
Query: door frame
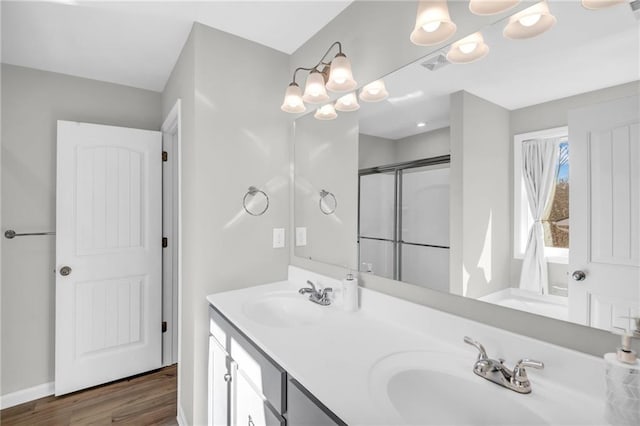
column 172, row 255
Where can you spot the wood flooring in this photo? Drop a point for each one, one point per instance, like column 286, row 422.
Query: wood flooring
column 147, row 399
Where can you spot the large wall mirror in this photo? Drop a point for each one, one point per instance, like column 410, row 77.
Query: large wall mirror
column 435, row 184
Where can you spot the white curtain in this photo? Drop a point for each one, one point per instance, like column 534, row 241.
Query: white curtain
column 539, row 169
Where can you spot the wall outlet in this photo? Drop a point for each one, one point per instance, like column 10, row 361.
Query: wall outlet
column 278, row 237
column 301, row 236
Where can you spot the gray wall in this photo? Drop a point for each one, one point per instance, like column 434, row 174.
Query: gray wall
column 32, row 101
column 325, row 153
column 424, row 145
column 375, row 53
column 547, row 116
column 480, row 240
column 236, row 137
column 375, row 151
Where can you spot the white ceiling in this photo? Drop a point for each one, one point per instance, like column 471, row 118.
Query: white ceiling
column 138, row 43
column 585, row 51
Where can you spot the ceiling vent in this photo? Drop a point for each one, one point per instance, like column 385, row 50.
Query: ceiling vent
column 635, row 8
column 436, row 62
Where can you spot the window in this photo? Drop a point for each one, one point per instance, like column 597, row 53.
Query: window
column 556, row 222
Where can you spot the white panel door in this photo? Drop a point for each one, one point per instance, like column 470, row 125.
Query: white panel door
column 108, row 254
column 604, row 263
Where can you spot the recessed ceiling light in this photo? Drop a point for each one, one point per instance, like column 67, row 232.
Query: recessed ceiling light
column 422, row 124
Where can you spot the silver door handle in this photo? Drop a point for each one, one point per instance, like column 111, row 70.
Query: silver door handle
column 65, row 270
column 578, row 276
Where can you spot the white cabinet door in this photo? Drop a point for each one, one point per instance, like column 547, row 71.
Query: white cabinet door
column 604, row 259
column 250, row 407
column 221, row 384
column 108, row 254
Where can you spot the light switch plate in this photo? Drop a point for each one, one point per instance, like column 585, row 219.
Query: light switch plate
column 301, row 236
column 278, row 237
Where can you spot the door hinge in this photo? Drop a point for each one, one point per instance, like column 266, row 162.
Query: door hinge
column 165, row 242
column 165, row 156
column 164, row 326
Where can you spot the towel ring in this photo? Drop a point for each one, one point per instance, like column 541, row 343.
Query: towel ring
column 252, row 192
column 330, row 204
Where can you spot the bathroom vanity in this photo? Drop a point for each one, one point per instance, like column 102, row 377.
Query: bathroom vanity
column 276, row 358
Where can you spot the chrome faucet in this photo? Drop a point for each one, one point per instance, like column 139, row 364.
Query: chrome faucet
column 321, row 297
column 496, row 372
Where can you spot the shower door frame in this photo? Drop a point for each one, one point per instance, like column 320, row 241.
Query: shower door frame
column 397, row 241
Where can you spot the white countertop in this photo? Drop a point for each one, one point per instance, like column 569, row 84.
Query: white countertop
column 333, row 357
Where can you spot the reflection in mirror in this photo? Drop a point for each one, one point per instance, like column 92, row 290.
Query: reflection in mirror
column 450, row 165
column 324, row 155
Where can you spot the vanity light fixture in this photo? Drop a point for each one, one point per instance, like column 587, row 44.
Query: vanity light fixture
column 530, row 22
column 467, row 50
column 326, row 112
column 348, row 102
column 315, row 91
column 334, row 75
column 374, row 92
column 293, row 100
column 491, row 7
column 599, row 4
column 433, row 23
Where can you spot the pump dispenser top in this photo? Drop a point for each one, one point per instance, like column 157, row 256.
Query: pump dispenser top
column 624, row 353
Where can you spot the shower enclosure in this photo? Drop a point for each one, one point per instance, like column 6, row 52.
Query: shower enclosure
column 403, row 222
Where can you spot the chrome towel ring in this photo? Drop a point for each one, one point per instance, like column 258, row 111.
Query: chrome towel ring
column 252, row 209
column 327, row 202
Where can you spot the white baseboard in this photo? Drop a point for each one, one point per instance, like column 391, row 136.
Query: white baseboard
column 182, row 421
column 26, row 395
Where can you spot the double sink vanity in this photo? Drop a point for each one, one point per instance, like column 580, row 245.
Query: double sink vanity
column 277, row 358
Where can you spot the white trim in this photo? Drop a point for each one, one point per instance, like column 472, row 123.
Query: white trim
column 182, row 420
column 26, row 395
column 171, row 190
column 522, row 216
column 174, row 121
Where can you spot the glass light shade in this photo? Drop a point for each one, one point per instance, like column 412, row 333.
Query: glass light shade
column 340, row 76
column 293, row 100
column 433, row 23
column 326, row 112
column 530, row 22
column 467, row 50
column 374, row 92
column 314, row 90
column 491, row 7
column 599, row 4
column 348, row 103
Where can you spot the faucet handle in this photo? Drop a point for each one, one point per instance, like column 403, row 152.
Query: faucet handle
column 482, row 353
column 324, row 291
column 520, row 374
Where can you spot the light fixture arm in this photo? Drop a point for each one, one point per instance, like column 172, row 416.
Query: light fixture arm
column 321, row 62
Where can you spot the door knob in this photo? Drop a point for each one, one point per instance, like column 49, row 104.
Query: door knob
column 578, row 276
column 65, row 270
column 227, row 377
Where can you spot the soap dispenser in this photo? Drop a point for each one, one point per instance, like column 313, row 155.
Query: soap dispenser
column 623, row 380
column 350, row 293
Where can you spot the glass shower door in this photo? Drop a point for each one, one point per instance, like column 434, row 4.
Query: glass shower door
column 377, row 231
column 424, row 226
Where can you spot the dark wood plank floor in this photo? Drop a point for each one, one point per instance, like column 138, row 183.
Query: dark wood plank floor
column 147, row 399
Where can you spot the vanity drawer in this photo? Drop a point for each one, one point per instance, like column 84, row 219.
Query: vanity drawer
column 263, row 373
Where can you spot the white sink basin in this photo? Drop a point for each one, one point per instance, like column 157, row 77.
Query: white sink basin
column 286, row 309
column 435, row 388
